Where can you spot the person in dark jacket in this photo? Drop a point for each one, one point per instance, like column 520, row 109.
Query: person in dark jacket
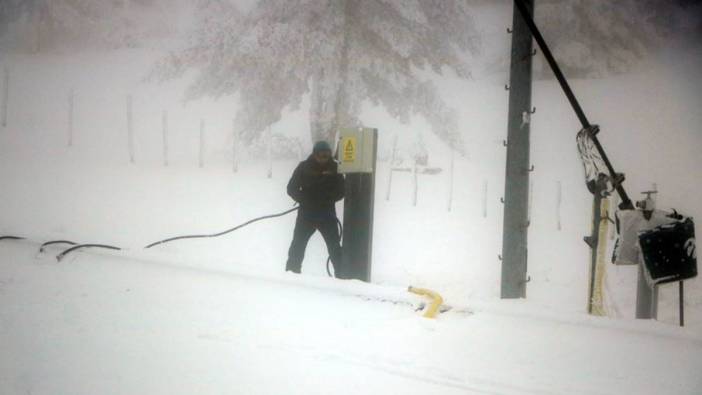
column 316, row 185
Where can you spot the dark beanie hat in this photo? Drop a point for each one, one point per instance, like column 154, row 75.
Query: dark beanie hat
column 321, row 146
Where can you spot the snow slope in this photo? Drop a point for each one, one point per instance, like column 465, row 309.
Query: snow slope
column 89, row 192
column 111, row 324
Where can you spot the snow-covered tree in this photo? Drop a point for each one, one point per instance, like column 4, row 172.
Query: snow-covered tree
column 341, row 53
column 216, row 24
column 593, row 38
column 49, row 24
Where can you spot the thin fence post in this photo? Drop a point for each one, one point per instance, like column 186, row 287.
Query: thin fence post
column 450, row 191
column 269, row 153
column 130, row 129
column 392, row 162
column 559, row 197
column 235, row 144
column 202, row 143
column 485, row 196
column 70, row 117
column 5, row 95
column 415, row 182
column 164, row 126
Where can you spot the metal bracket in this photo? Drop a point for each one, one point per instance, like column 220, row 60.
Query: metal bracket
column 528, row 279
column 509, row 31
column 529, row 55
column 533, row 110
column 504, row 143
column 502, row 200
column 506, row 87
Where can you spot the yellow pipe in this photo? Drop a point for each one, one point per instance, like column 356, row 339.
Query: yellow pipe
column 436, row 300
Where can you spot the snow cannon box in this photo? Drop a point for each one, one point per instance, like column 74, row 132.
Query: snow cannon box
column 630, row 223
column 669, row 252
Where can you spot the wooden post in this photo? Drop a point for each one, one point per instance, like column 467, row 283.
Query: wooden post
column 270, row 152
column 392, row 162
column 70, row 118
column 130, row 129
column 485, row 196
column 414, row 184
column 450, row 191
column 202, row 143
column 558, row 205
column 235, row 143
column 5, row 95
column 164, row 126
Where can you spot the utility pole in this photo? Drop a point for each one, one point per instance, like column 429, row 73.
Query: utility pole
column 516, row 200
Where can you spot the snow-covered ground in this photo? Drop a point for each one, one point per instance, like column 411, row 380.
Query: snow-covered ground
column 219, row 316
column 102, row 324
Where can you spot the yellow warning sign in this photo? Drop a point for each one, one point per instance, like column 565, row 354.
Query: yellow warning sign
column 349, row 154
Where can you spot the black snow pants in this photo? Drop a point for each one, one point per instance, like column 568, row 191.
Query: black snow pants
column 304, row 228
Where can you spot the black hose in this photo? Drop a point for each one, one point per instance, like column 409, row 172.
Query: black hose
column 11, row 238
column 224, row 232
column 62, row 255
column 48, row 243
column 340, row 227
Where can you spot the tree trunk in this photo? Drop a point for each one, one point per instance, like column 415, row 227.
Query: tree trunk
column 330, row 108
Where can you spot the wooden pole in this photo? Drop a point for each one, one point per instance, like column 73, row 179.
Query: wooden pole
column 164, row 127
column 235, row 144
column 415, row 187
column 559, row 198
column 202, row 143
column 450, row 190
column 392, row 162
column 5, row 95
column 70, row 117
column 130, row 129
column 269, row 153
column 485, row 196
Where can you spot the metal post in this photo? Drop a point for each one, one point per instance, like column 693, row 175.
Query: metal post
column 358, row 222
column 646, row 297
column 514, row 248
column 681, row 301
